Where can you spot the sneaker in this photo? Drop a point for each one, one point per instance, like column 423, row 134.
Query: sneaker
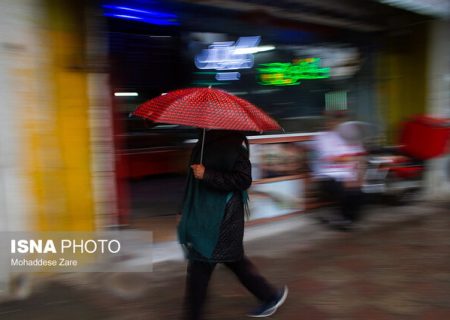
column 269, row 308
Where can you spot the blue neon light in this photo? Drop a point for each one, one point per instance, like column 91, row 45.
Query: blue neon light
column 122, row 16
column 148, row 16
column 157, row 14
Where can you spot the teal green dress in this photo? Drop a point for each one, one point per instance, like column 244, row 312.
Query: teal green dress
column 212, row 222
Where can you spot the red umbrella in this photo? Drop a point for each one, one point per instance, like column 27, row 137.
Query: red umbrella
column 206, row 108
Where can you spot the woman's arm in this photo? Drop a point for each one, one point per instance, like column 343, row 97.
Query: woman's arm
column 240, row 178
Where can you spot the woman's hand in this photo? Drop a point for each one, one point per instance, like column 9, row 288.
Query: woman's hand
column 198, row 170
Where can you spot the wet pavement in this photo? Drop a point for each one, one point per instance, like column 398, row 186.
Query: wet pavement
column 396, row 265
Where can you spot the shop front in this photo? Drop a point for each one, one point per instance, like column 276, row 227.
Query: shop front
column 293, row 72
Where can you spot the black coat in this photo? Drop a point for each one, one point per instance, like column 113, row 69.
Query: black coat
column 229, row 246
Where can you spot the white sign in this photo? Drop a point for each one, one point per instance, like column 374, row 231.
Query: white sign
column 228, row 55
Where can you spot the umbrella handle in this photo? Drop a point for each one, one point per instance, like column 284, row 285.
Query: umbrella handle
column 203, row 144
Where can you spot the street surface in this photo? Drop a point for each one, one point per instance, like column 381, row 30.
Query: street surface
column 396, row 265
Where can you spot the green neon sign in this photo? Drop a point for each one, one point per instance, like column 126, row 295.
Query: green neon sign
column 290, row 74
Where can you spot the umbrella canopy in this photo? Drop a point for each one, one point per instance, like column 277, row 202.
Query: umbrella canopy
column 206, row 108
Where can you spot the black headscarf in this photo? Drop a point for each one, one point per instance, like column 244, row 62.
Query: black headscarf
column 220, row 150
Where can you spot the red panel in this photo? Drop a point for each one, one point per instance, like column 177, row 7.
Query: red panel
column 425, row 137
column 407, row 172
column 141, row 164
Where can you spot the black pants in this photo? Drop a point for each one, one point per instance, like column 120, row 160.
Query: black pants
column 347, row 200
column 199, row 274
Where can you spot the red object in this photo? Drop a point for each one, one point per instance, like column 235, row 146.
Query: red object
column 141, row 164
column 425, row 137
column 206, row 108
column 407, row 172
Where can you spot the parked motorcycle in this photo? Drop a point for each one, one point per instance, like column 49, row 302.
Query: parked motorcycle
column 397, row 173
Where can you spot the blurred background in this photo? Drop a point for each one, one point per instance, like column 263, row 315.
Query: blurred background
column 72, row 159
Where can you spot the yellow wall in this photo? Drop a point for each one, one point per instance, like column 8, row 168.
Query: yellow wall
column 402, row 77
column 59, row 155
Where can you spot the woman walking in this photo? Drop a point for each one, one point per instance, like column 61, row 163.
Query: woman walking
column 212, row 223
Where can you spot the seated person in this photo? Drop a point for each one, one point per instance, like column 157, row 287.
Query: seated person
column 339, row 168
